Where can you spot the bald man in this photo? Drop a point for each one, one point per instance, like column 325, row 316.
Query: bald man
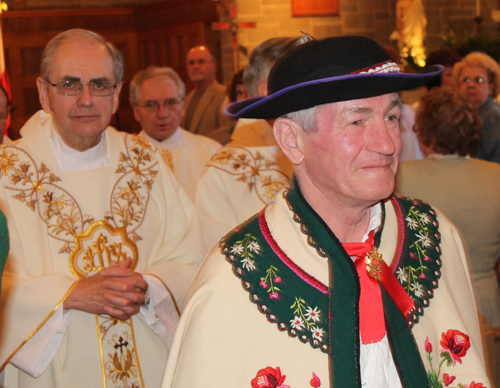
column 204, row 103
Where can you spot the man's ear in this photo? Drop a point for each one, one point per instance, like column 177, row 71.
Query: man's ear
column 262, row 89
column 116, row 96
column 288, row 135
column 43, row 93
column 136, row 113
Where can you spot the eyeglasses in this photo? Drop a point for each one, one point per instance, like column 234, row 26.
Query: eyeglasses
column 73, row 88
column 476, row 80
column 153, row 106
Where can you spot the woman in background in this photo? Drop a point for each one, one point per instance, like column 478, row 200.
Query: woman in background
column 465, row 189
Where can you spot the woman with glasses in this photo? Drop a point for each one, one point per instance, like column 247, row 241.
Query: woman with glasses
column 478, row 76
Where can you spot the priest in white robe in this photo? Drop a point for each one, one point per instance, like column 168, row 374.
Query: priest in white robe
column 337, row 283
column 247, row 173
column 157, row 95
column 104, row 239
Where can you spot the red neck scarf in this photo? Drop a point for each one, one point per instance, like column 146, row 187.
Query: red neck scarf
column 371, row 268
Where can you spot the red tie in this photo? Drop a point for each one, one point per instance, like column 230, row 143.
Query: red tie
column 371, row 309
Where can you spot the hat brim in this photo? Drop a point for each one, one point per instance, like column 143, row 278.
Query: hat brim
column 328, row 90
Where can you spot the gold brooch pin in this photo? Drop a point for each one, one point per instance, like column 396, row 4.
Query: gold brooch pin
column 373, row 259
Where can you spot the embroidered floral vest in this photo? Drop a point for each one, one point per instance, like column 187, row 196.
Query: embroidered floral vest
column 300, row 304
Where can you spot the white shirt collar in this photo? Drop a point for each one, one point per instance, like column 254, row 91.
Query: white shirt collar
column 175, row 140
column 375, row 220
column 69, row 159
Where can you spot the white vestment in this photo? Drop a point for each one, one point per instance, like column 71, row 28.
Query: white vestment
column 240, row 179
column 186, row 154
column 132, row 206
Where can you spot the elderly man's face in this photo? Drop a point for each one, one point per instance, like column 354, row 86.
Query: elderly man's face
column 200, row 65
column 475, row 83
column 353, row 157
column 80, row 119
column 160, row 108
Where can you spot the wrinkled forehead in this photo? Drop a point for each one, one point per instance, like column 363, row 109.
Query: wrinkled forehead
column 199, row 53
column 382, row 103
column 159, row 87
column 83, row 60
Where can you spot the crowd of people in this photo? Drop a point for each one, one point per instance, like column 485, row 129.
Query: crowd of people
column 263, row 236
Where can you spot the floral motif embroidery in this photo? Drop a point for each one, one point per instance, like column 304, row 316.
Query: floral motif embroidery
column 123, row 365
column 269, row 378
column 166, row 154
column 455, row 345
column 307, row 316
column 272, row 378
column 244, row 248
column 419, row 271
column 36, row 187
column 259, row 173
column 315, row 381
column 274, row 289
column 271, row 279
column 412, row 273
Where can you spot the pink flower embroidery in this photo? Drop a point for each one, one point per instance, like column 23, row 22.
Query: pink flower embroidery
column 447, row 379
column 274, row 295
column 263, row 284
column 278, row 279
column 428, row 346
column 315, row 381
column 412, row 255
column 269, row 378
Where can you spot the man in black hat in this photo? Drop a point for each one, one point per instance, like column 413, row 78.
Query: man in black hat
column 337, row 283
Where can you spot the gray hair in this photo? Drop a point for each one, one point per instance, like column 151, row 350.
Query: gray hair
column 262, row 59
column 77, row 35
column 306, row 118
column 154, row 72
column 479, row 59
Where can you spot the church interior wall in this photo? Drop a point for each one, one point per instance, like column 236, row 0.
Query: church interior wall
column 151, row 37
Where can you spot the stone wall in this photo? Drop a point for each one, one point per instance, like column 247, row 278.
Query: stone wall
column 373, row 18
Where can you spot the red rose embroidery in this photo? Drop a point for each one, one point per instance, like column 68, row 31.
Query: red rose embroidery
column 455, row 344
column 269, row 378
column 475, row 385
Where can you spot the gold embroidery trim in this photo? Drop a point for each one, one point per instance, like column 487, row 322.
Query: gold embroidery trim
column 100, row 249
column 40, row 325
column 168, row 290
column 251, row 169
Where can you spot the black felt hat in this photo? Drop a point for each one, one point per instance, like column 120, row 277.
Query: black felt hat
column 326, row 71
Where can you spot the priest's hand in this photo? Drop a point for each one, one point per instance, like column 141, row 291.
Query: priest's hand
column 117, row 291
